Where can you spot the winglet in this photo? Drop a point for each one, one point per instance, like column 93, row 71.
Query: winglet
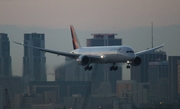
column 75, row 40
column 18, row 43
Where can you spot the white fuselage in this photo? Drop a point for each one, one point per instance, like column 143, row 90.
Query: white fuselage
column 109, row 54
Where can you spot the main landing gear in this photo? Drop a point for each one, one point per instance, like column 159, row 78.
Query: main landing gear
column 113, row 67
column 88, row 68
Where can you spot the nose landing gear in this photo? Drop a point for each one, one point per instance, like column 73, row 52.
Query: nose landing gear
column 128, row 65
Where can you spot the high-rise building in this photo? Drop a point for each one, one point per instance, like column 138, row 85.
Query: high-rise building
column 13, row 84
column 174, row 71
column 159, row 88
column 71, row 71
column 1, row 97
column 102, row 39
column 140, row 73
column 104, row 75
column 34, row 60
column 132, row 92
column 5, row 58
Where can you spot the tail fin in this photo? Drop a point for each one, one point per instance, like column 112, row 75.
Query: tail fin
column 75, row 40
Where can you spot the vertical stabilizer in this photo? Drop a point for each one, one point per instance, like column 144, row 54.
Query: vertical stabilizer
column 75, row 40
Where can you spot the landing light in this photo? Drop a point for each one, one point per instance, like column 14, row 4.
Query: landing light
column 102, row 56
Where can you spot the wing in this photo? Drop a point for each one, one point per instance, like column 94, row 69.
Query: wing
column 149, row 50
column 71, row 55
column 94, row 58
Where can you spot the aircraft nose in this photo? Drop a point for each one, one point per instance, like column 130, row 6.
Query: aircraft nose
column 131, row 56
column 127, row 52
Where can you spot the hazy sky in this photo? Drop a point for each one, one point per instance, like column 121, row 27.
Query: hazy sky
column 125, row 17
column 89, row 14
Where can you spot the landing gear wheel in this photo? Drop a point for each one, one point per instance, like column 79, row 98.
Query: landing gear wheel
column 113, row 67
column 128, row 67
column 85, row 68
column 88, row 68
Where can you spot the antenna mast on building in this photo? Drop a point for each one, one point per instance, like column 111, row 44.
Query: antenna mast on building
column 152, row 33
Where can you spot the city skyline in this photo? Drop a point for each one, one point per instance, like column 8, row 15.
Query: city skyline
column 54, row 61
column 131, row 92
column 131, row 20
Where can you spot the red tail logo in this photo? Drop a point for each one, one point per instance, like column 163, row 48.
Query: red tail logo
column 75, row 40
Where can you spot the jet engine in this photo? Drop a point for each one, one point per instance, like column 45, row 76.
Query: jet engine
column 137, row 61
column 83, row 60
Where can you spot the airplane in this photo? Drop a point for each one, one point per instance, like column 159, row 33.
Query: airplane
column 99, row 54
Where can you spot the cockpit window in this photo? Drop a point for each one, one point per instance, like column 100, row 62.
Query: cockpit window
column 129, row 51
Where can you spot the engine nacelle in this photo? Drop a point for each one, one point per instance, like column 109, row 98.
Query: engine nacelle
column 83, row 60
column 137, row 61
